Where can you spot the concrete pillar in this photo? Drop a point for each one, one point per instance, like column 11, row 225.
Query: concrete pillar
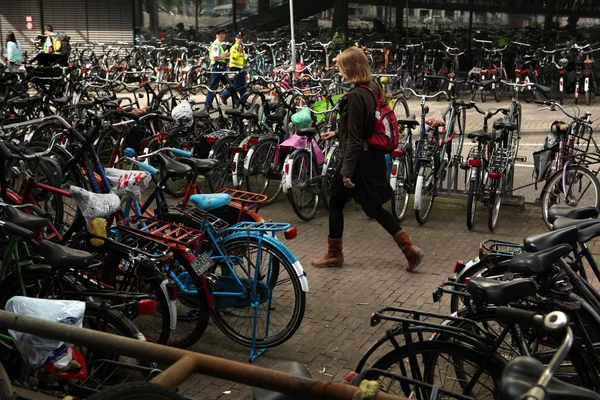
column 152, row 10
column 263, row 6
column 549, row 13
column 400, row 17
column 340, row 16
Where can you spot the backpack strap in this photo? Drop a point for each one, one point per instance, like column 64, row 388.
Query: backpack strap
column 379, row 99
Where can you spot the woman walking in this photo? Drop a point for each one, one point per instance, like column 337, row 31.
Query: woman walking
column 14, row 52
column 362, row 171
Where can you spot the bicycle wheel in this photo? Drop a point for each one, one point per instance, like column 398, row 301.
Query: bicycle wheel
column 281, row 300
column 260, row 165
column 472, row 200
column 328, row 174
column 401, row 193
column 136, row 391
column 445, row 364
column 425, row 192
column 496, row 190
column 401, row 108
column 459, row 134
column 221, row 176
column 306, row 186
column 581, row 188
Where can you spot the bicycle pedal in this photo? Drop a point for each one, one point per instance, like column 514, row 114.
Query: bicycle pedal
column 522, row 159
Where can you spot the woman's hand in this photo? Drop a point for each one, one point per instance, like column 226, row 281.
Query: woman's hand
column 348, row 183
column 328, row 135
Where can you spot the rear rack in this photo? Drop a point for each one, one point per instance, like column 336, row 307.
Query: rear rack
column 499, row 247
column 132, row 243
column 161, row 230
column 244, row 197
column 198, row 216
column 263, row 226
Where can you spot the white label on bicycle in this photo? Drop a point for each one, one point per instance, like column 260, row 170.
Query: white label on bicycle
column 202, row 263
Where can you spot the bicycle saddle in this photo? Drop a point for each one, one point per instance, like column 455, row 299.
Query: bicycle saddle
column 201, row 114
column 209, row 202
column 251, row 114
column 589, row 233
column 202, row 166
column 276, row 117
column 59, row 256
column 543, row 241
column 534, row 263
column 563, row 222
column 434, row 122
column 172, row 168
column 236, row 112
column 308, row 132
column 501, row 125
column 409, row 122
column 522, row 373
column 291, row 367
column 500, row 292
column 27, row 221
column 481, row 135
column 61, row 101
column 559, row 210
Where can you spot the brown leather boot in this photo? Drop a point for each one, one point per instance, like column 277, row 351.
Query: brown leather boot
column 334, row 256
column 413, row 254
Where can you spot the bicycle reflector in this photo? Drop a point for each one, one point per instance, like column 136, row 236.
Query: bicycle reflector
column 460, row 264
column 291, row 233
column 286, row 149
column 350, row 377
column 495, row 176
column 147, row 307
column 211, row 139
column 237, row 149
column 397, row 153
column 172, row 290
column 474, row 162
column 253, row 141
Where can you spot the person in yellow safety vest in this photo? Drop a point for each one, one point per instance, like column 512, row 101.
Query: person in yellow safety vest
column 218, row 64
column 237, row 62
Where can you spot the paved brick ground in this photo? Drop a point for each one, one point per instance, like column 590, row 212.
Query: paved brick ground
column 335, row 331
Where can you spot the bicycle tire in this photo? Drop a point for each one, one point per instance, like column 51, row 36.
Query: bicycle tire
column 401, row 194
column 588, row 97
column 303, row 202
column 472, row 200
column 136, row 391
column 261, row 161
column 328, row 174
column 483, row 95
column 495, row 203
column 425, row 193
column 221, row 315
column 552, row 191
column 428, row 352
column 401, row 109
column 221, row 177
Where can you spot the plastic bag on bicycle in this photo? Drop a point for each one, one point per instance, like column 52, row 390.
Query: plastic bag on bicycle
column 34, row 349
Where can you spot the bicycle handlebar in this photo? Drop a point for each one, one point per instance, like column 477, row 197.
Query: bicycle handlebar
column 552, row 107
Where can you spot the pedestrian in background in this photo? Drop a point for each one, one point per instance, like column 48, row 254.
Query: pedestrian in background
column 339, row 39
column 218, row 65
column 237, row 62
column 362, row 171
column 50, row 36
column 14, row 52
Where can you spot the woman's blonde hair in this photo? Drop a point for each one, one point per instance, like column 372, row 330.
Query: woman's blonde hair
column 354, row 65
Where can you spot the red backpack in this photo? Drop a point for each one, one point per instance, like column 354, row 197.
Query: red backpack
column 386, row 134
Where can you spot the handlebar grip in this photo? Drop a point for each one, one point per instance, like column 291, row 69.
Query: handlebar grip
column 181, row 153
column 509, row 314
column 148, row 168
column 16, row 230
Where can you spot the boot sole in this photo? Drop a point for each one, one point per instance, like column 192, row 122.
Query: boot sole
column 327, row 265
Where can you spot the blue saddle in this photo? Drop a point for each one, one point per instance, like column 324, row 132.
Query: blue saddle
column 208, row 202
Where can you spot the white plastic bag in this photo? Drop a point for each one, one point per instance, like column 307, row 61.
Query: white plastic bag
column 183, row 113
column 129, row 183
column 95, row 205
column 34, row 349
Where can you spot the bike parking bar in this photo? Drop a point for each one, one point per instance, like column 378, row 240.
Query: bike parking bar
column 184, row 363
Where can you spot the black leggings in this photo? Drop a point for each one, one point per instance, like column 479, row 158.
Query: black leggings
column 336, row 217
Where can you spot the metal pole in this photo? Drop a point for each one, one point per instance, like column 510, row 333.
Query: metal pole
column 234, row 13
column 472, row 6
column 406, row 12
column 293, row 40
column 183, row 362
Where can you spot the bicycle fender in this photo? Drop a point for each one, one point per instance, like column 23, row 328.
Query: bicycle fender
column 235, row 167
column 248, row 157
column 281, row 247
column 287, row 177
